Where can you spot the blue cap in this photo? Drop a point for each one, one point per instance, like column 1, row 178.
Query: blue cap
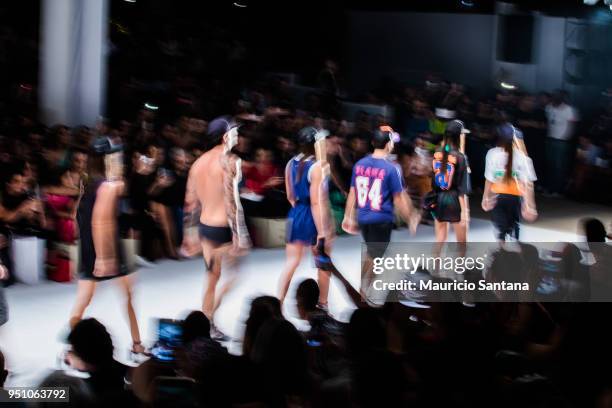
column 219, row 126
column 507, row 132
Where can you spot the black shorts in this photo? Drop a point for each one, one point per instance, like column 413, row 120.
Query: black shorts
column 376, row 237
column 448, row 208
column 506, row 216
column 218, row 235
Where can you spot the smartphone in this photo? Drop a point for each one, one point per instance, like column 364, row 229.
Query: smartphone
column 169, row 339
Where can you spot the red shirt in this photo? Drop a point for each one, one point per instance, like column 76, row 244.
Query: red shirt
column 256, row 175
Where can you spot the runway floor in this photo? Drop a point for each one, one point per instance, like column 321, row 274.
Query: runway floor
column 38, row 314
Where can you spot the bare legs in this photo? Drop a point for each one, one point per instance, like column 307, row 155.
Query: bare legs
column 85, row 292
column 294, row 253
column 165, row 221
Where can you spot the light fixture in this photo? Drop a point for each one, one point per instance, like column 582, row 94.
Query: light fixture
column 506, row 85
column 240, row 4
column 149, row 106
column 467, row 3
column 590, row 2
column 130, row 1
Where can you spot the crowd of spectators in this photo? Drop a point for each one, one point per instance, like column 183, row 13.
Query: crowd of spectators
column 395, row 355
column 449, row 354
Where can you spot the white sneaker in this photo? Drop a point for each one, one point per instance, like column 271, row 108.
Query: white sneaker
column 140, row 261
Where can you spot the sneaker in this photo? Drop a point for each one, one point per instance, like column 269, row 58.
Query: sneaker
column 140, row 261
column 323, row 307
column 218, row 335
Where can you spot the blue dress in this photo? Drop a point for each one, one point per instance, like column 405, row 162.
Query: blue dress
column 300, row 224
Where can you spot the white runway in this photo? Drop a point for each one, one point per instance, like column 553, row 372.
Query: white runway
column 38, row 314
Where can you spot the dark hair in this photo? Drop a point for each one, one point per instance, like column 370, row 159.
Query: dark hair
column 365, row 332
column 307, row 150
column 307, row 294
column 594, row 230
column 507, row 145
column 280, row 353
column 196, row 325
column 262, row 309
column 58, row 173
column 91, row 342
column 378, row 143
column 449, row 141
column 16, row 168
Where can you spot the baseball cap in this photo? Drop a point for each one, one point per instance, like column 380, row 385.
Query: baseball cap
column 507, row 132
column 104, row 145
column 386, row 133
column 456, row 126
column 220, row 126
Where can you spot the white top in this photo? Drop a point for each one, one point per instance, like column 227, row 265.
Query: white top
column 495, row 167
column 559, row 121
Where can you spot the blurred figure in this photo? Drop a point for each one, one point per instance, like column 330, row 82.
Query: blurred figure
column 562, row 120
column 308, row 219
column 262, row 309
column 61, row 199
column 102, row 255
column 280, row 355
column 91, row 351
column 212, row 187
column 451, row 185
column 508, row 189
column 377, row 191
column 21, row 210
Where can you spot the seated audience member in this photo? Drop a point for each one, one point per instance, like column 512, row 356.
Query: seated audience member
column 262, row 309
column 61, row 198
column 280, row 356
column 198, row 347
column 79, row 393
column 322, row 326
column 92, row 352
column 3, row 371
column 4, row 395
column 20, row 210
column 78, row 167
column 261, row 193
column 600, row 260
column 325, row 338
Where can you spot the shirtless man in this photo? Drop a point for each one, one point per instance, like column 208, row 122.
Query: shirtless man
column 212, row 193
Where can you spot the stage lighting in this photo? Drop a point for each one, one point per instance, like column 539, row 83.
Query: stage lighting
column 150, row 106
column 240, row 4
column 467, row 3
column 590, row 2
column 506, row 85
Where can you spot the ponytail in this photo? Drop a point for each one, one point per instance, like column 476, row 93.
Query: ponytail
column 508, row 148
